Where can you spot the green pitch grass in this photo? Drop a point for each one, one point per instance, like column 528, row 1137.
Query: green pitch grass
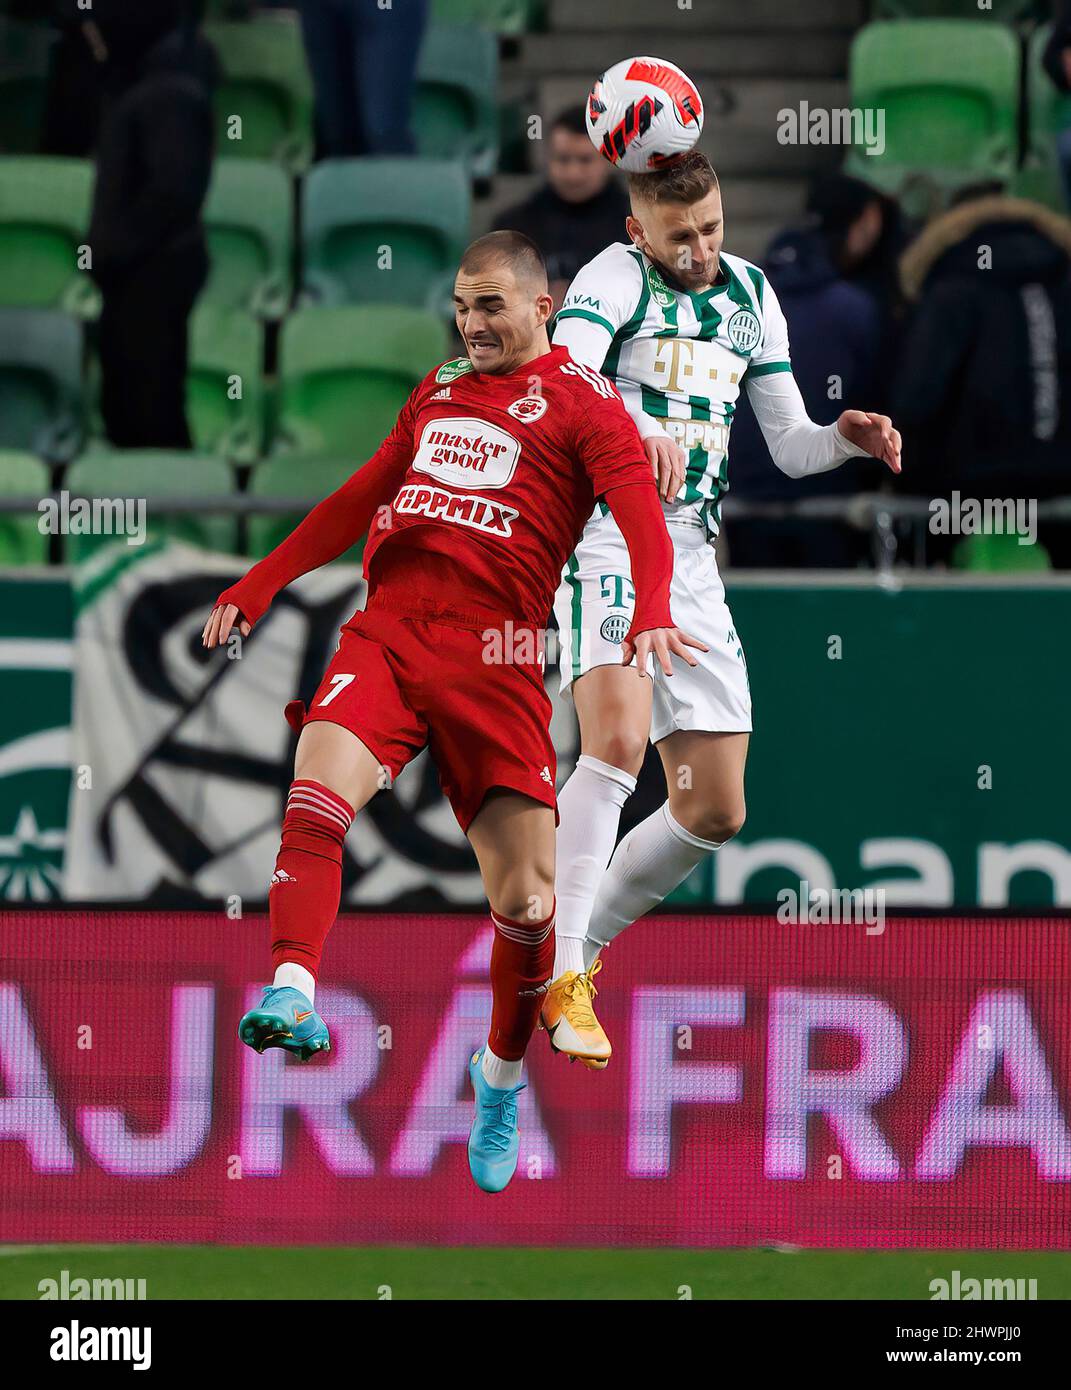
column 257, row 1272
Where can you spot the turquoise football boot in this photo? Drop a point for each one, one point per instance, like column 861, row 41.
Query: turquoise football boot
column 494, row 1142
column 285, row 1018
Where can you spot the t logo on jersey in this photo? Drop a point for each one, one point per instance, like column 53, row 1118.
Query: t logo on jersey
column 617, row 588
column 529, row 409
column 465, row 452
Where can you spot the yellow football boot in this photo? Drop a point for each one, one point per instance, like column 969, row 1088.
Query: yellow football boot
column 570, row 1021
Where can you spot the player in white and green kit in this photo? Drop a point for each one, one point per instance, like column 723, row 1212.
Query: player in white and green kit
column 680, row 328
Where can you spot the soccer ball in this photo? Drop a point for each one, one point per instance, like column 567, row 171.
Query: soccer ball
column 643, row 114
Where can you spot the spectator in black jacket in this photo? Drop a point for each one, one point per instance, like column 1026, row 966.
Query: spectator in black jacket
column 580, row 210
column 146, row 235
column 983, row 396
column 835, row 329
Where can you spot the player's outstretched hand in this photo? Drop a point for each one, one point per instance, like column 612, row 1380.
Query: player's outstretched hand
column 667, row 463
column 662, row 642
column 220, row 622
column 874, row 433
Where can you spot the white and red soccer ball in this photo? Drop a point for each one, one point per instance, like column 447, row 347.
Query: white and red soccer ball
column 643, row 114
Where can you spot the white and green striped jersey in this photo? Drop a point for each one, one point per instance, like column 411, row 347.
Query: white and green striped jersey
column 678, row 357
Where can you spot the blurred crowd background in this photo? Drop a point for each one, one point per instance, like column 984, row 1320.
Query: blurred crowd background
column 228, row 233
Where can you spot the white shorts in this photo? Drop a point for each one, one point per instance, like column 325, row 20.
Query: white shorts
column 593, row 608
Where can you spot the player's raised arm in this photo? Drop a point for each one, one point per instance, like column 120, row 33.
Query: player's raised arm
column 799, row 446
column 332, row 526
column 599, row 303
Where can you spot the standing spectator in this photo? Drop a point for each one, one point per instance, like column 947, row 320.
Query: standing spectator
column 864, row 236
column 146, row 235
column 580, row 210
column 984, row 391
column 363, row 59
column 1058, row 66
column 835, row 334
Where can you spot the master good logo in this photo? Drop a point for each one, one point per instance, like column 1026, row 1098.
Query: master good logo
column 467, row 453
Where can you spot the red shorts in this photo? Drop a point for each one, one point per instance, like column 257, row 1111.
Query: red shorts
column 402, row 684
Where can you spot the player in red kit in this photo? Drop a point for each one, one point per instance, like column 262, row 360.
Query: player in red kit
column 472, row 504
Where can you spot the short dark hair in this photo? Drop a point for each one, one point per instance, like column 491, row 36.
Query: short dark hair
column 519, row 252
column 571, row 119
column 692, row 177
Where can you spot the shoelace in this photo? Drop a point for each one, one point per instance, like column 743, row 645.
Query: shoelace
column 500, row 1121
column 580, row 992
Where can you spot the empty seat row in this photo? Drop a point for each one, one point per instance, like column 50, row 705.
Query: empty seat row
column 343, row 375
column 373, row 231
column 166, row 481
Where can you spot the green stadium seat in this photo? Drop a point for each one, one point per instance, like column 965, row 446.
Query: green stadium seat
column 344, row 373
column 999, row 554
column 454, row 112
column 24, row 59
column 311, row 479
column 249, row 216
column 41, row 382
column 44, row 217
column 225, row 383
column 510, row 17
column 418, row 209
column 155, row 474
column 21, row 541
column 266, row 84
column 950, row 92
column 1048, row 112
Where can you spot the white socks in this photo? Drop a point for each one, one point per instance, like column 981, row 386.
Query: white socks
column 648, row 864
column 296, row 977
column 500, row 1073
column 589, row 807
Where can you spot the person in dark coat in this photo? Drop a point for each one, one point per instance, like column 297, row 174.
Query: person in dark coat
column 578, row 211
column 835, row 335
column 983, row 395
column 146, row 234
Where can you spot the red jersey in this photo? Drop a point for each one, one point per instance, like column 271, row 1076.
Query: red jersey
column 500, row 475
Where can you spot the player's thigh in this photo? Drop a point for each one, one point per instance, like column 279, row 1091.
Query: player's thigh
column 513, row 839
column 613, row 707
column 337, row 759
column 705, row 780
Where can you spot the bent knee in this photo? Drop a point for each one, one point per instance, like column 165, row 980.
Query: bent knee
column 526, row 897
column 621, row 748
column 715, row 824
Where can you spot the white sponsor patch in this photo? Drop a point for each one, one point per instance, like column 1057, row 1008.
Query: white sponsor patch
column 467, row 453
column 477, row 513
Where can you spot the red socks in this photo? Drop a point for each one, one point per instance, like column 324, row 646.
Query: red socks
column 522, row 963
column 303, row 903
column 307, row 883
